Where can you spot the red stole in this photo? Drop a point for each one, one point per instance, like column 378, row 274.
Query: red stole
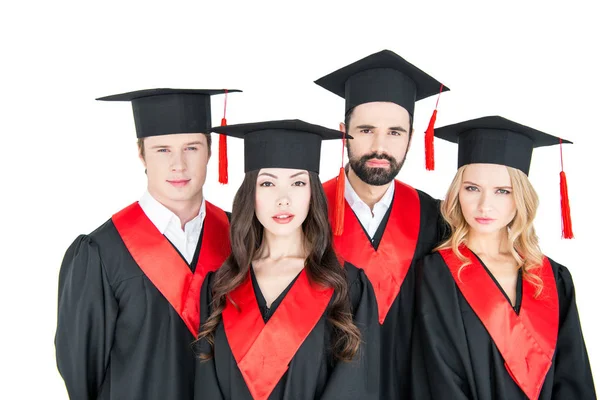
column 163, row 265
column 387, row 266
column 264, row 351
column 526, row 341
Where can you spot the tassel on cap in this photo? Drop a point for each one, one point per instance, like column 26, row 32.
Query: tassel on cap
column 429, row 154
column 565, row 208
column 223, row 175
column 340, row 186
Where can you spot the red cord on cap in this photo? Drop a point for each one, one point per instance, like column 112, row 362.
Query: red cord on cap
column 223, row 175
column 565, row 208
column 429, row 154
column 340, row 186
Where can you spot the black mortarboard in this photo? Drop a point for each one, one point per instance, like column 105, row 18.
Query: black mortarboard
column 383, row 76
column 168, row 111
column 290, row 144
column 497, row 140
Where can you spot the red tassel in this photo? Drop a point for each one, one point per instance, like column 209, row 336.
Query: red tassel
column 340, row 186
column 338, row 219
column 429, row 156
column 565, row 208
column 223, row 176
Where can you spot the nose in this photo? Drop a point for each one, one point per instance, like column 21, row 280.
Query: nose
column 485, row 203
column 177, row 161
column 378, row 144
column 283, row 201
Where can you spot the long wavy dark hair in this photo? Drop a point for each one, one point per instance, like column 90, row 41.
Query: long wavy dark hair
column 321, row 265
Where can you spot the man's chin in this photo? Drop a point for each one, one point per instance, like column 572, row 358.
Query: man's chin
column 379, row 182
column 179, row 195
column 376, row 176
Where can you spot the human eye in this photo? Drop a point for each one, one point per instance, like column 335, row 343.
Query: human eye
column 266, row 184
column 299, row 183
column 503, row 191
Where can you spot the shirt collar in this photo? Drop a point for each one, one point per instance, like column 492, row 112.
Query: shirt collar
column 353, row 199
column 195, row 225
column 162, row 217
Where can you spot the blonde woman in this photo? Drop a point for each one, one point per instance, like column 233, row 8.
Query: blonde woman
column 496, row 319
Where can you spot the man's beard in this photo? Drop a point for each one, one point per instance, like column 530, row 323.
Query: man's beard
column 375, row 176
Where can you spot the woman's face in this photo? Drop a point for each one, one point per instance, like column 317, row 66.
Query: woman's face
column 486, row 198
column 282, row 199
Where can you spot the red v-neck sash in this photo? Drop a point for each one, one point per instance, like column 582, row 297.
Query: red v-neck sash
column 526, row 340
column 262, row 351
column 163, row 265
column 214, row 250
column 387, row 266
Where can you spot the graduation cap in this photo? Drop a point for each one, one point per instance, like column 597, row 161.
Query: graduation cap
column 171, row 111
column 288, row 143
column 385, row 76
column 497, row 140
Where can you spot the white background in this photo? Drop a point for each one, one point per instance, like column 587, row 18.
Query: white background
column 69, row 162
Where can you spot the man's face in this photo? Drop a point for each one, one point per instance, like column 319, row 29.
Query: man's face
column 176, row 166
column 381, row 132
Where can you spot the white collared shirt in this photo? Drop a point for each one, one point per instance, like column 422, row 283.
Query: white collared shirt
column 169, row 225
column 369, row 220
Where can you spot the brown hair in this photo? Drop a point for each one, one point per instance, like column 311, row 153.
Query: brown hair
column 521, row 234
column 321, row 265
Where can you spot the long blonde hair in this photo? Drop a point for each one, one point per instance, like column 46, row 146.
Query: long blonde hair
column 523, row 241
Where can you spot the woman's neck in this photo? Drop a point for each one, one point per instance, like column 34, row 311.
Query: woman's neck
column 277, row 247
column 492, row 245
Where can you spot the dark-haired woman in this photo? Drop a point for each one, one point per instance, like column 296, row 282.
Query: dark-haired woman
column 281, row 319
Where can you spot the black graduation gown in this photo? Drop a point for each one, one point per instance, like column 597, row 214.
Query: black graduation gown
column 396, row 329
column 311, row 374
column 117, row 337
column 456, row 358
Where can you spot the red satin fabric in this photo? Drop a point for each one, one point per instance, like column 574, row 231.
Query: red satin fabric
column 387, row 267
column 526, row 340
column 264, row 351
column 165, row 268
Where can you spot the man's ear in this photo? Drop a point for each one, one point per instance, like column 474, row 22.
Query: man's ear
column 343, row 127
column 142, row 158
column 412, row 133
